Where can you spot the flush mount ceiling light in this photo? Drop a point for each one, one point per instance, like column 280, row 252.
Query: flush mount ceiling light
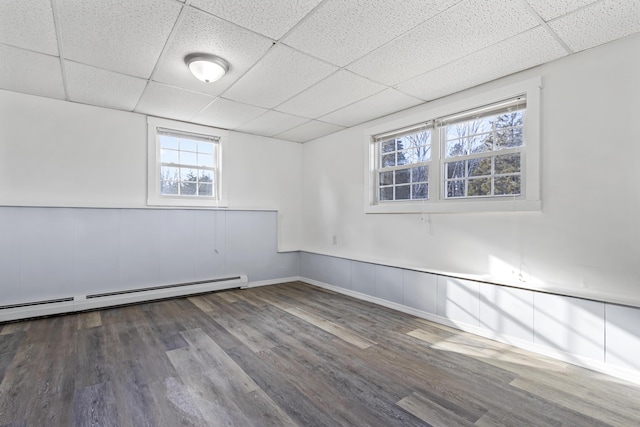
column 207, row 68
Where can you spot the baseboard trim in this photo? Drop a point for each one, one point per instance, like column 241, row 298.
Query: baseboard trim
column 594, row 365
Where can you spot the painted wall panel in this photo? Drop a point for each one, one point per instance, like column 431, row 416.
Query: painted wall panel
column 458, row 300
column 251, row 238
column 623, row 336
column 569, row 324
column 140, row 250
column 10, row 250
column 363, row 278
column 507, row 311
column 339, row 270
column 420, row 290
column 177, row 246
column 389, row 283
column 210, row 248
column 313, row 266
column 97, row 250
column 46, row 253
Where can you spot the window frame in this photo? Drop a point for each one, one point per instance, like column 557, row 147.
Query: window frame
column 154, row 197
column 528, row 200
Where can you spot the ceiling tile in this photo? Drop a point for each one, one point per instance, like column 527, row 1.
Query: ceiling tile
column 598, row 24
column 341, row 31
column 308, row 131
column 551, row 9
column 523, row 51
column 118, row 35
column 199, row 32
column 281, row 74
column 459, row 31
column 271, row 123
column 171, row 102
column 94, row 86
column 30, row 72
column 29, row 25
column 381, row 104
column 227, row 114
column 273, row 18
column 336, row 91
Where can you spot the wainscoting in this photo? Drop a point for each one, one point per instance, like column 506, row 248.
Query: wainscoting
column 597, row 335
column 69, row 253
column 49, row 254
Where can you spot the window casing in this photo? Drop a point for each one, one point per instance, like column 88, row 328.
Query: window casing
column 185, row 164
column 483, row 155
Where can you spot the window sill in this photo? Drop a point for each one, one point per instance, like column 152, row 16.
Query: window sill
column 456, row 206
column 186, row 202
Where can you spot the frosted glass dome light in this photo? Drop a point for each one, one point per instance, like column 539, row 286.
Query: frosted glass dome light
column 207, row 68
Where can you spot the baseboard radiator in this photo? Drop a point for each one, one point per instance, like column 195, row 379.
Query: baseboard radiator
column 69, row 304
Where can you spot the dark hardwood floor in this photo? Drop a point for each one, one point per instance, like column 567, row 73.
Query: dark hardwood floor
column 289, row 354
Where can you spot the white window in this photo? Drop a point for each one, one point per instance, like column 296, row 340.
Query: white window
column 403, row 163
column 184, row 164
column 483, row 151
column 478, row 155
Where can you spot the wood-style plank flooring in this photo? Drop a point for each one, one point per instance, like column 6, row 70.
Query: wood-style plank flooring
column 289, row 354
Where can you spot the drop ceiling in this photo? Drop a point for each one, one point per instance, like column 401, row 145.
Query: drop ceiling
column 299, row 69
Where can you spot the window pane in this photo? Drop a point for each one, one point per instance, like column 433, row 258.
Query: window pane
column 389, row 146
column 510, row 120
column 509, row 138
column 168, row 142
column 423, row 154
column 481, row 125
column 401, row 159
column 507, row 185
column 420, row 174
column 188, row 188
column 402, row 192
column 188, row 174
column 457, row 147
column 205, row 176
column 457, row 130
column 188, row 145
column 508, row 163
column 420, row 191
column 455, row 169
column 205, row 160
column 455, row 188
column 403, row 176
column 479, row 187
column 410, row 156
column 205, row 189
column 168, row 156
column 388, row 160
column 481, row 143
column 188, row 158
column 168, row 187
column 386, row 178
column 417, row 139
column 386, row 193
column 168, row 173
column 480, row 166
column 205, row 147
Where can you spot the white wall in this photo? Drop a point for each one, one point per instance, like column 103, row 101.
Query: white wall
column 55, row 153
column 585, row 240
